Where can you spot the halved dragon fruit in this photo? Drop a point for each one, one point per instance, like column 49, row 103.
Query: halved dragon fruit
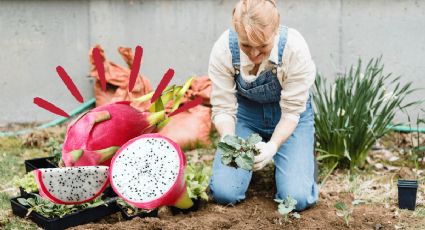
column 72, row 185
column 148, row 172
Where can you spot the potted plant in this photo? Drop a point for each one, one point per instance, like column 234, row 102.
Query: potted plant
column 197, row 178
column 129, row 212
column 54, row 147
column 26, row 184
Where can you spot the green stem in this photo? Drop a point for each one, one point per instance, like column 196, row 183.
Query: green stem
column 327, row 175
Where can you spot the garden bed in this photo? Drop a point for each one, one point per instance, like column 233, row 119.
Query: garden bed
column 375, row 185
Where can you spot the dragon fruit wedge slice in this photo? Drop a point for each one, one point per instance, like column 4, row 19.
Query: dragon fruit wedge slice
column 72, row 185
column 148, row 172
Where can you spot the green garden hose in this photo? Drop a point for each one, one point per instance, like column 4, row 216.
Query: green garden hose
column 406, row 129
column 85, row 106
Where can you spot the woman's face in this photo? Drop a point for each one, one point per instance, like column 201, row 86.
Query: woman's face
column 256, row 52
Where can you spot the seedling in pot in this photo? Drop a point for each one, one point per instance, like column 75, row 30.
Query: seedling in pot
column 129, row 212
column 52, row 216
column 26, row 184
column 286, row 207
column 197, row 178
column 238, row 152
column 344, row 212
column 54, row 147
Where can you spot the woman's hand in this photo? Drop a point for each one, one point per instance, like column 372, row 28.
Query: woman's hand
column 283, row 130
column 267, row 152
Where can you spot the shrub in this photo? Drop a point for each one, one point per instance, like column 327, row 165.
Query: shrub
column 355, row 111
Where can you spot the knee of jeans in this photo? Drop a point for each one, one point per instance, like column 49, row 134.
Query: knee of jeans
column 303, row 196
column 225, row 194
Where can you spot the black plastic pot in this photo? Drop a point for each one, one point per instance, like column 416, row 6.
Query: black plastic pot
column 109, row 193
column 74, row 219
column 24, row 194
column 407, row 190
column 39, row 163
column 195, row 207
column 127, row 216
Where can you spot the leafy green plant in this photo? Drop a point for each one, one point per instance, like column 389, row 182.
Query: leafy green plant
column 237, row 152
column 27, row 182
column 418, row 150
column 130, row 209
column 344, row 212
column 49, row 209
column 54, row 148
column 197, row 178
column 286, row 206
column 355, row 111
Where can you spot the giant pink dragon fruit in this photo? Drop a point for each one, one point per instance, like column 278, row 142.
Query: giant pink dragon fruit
column 94, row 137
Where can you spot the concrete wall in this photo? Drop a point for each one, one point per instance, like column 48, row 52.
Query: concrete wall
column 36, row 36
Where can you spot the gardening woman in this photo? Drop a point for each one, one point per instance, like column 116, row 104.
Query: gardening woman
column 261, row 73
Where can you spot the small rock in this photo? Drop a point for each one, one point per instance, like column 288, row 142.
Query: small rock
column 392, row 168
column 406, row 173
column 393, row 158
column 379, row 166
column 378, row 226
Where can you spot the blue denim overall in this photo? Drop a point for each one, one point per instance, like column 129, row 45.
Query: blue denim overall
column 259, row 112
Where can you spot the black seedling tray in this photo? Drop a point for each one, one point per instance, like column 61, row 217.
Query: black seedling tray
column 194, row 208
column 74, row 219
column 25, row 194
column 127, row 216
column 39, row 163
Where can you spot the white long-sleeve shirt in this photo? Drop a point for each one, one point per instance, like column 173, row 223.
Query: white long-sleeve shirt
column 296, row 75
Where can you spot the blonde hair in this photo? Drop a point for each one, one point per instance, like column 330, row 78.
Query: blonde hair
column 255, row 18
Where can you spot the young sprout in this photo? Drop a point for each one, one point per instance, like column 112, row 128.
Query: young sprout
column 286, row 206
column 344, row 212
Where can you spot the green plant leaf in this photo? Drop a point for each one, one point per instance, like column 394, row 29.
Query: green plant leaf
column 341, row 206
column 296, row 215
column 245, row 161
column 283, row 209
column 254, row 139
column 225, row 148
column 233, row 141
column 23, row 201
column 226, row 160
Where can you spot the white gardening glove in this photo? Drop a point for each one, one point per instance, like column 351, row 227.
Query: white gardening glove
column 267, row 152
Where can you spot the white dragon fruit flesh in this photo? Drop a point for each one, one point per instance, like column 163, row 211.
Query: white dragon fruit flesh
column 72, row 185
column 148, row 172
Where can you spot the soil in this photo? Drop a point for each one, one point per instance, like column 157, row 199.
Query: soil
column 259, row 211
